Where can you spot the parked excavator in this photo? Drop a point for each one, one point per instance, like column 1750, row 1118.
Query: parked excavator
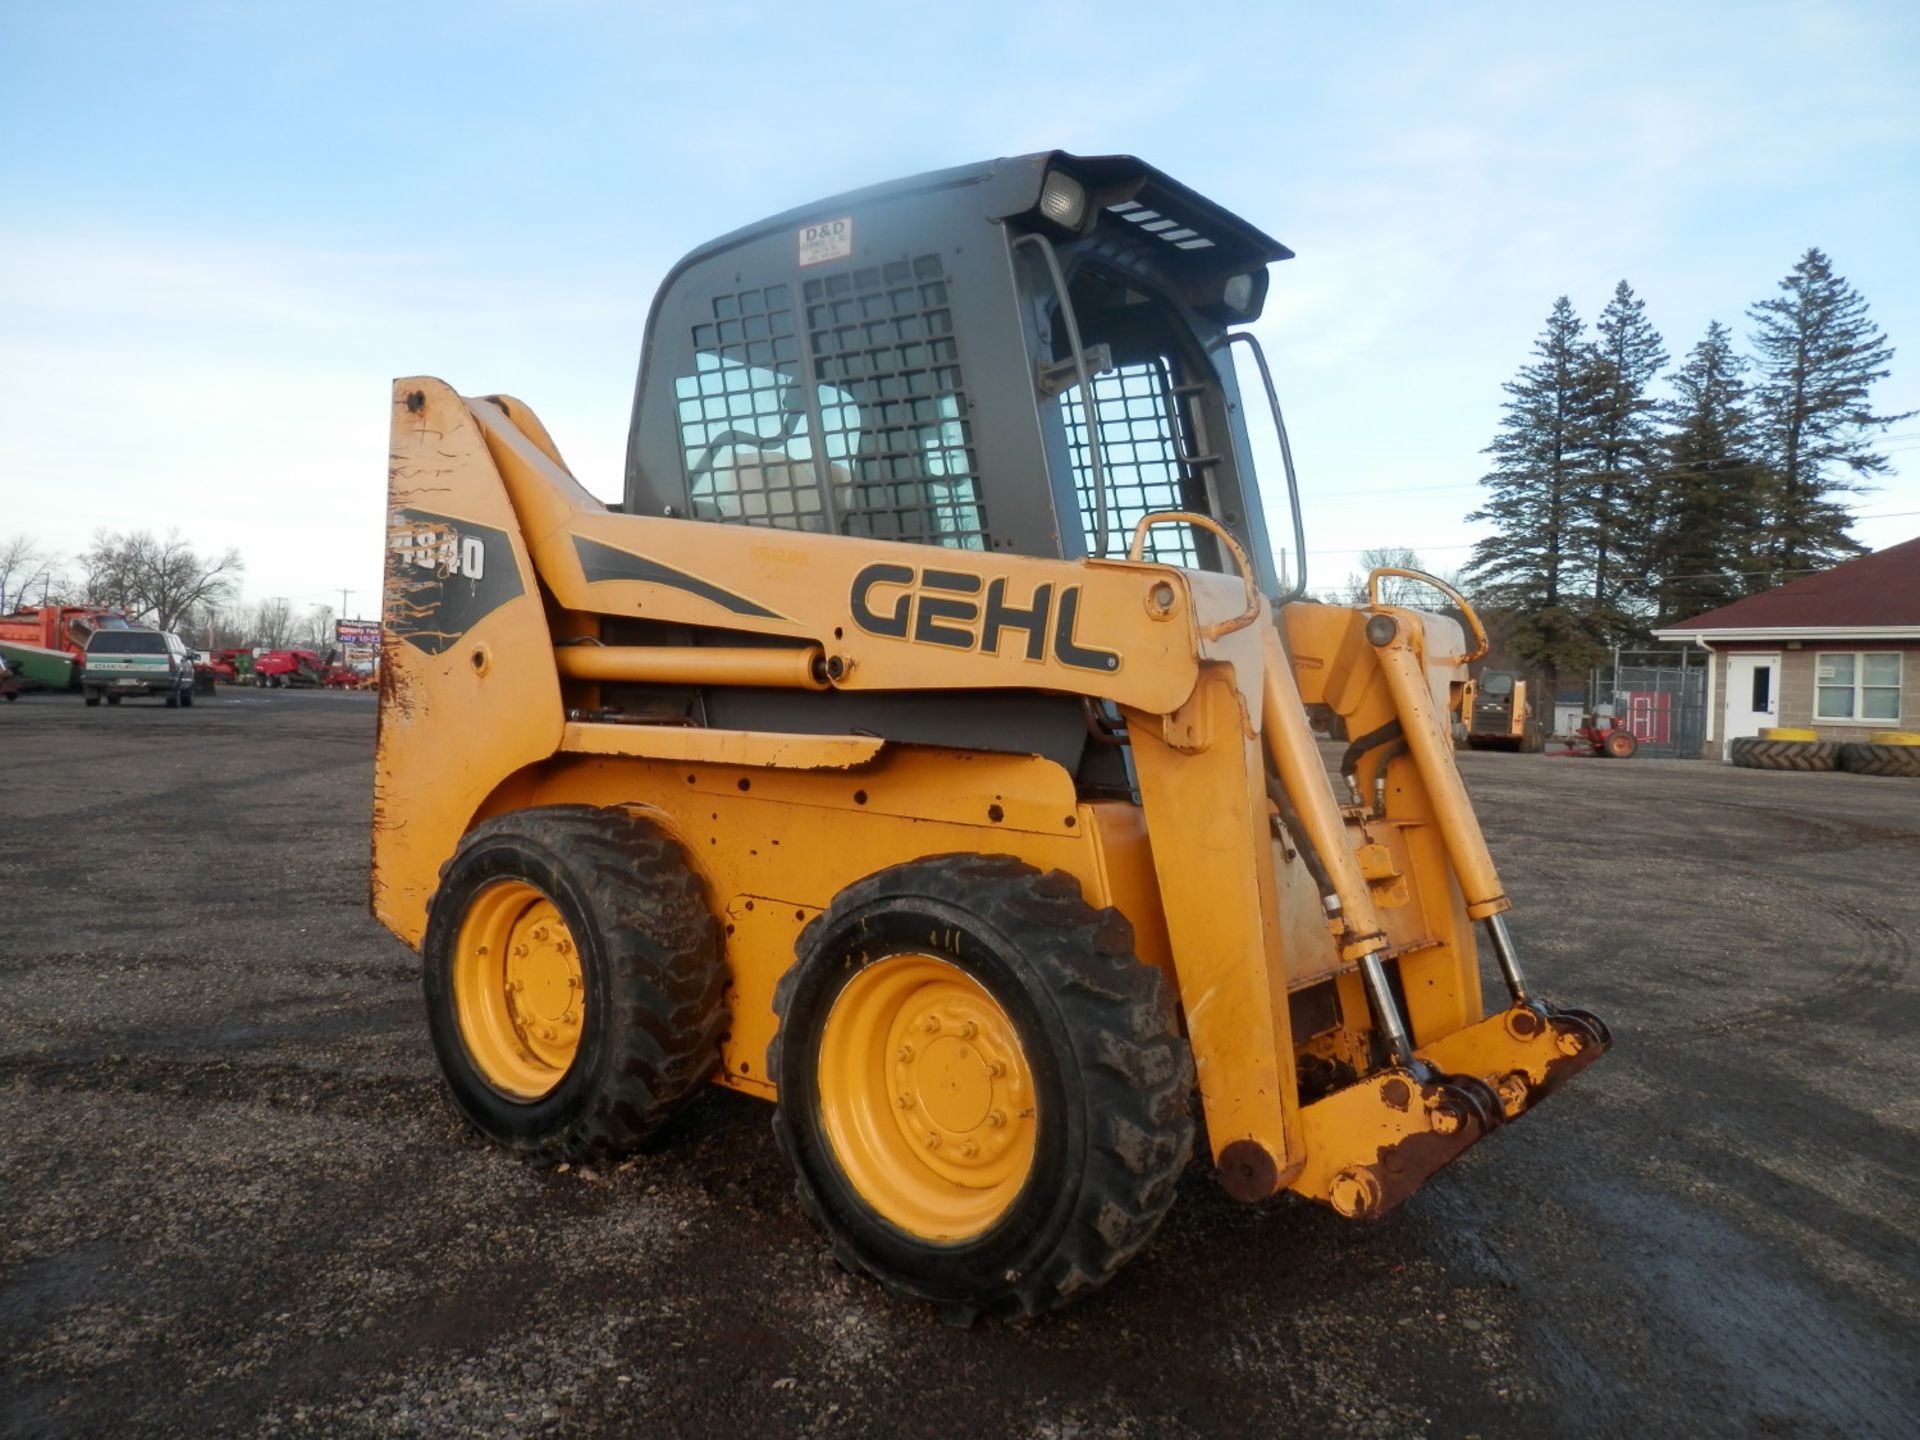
column 921, row 745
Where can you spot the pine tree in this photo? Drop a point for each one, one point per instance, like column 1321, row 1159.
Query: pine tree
column 1626, row 441
column 1539, row 564
column 1707, row 503
column 1818, row 357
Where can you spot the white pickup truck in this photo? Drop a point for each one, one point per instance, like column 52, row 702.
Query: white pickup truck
column 137, row 662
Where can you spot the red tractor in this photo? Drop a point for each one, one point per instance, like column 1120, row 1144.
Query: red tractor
column 1601, row 736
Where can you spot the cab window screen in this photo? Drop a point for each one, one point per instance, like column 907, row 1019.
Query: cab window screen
column 898, row 444
column 858, row 425
column 1141, row 442
column 745, row 433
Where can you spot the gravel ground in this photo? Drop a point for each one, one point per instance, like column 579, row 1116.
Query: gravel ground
column 235, row 1203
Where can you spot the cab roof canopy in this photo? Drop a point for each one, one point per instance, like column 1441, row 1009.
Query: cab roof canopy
column 1210, row 237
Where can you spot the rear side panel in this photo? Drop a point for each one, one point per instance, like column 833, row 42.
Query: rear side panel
column 468, row 690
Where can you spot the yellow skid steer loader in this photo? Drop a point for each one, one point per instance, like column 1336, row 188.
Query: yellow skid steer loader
column 922, row 745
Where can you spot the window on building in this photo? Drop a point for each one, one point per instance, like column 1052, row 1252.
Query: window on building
column 1860, row 686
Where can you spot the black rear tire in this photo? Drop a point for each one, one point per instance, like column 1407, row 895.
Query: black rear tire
column 1866, row 759
column 113, row 699
column 655, row 980
column 1753, row 753
column 1113, row 1080
column 93, row 697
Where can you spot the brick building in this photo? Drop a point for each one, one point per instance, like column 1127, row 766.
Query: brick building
column 1837, row 653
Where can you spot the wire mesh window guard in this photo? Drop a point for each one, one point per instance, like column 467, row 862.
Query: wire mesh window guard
column 1142, row 439
column 897, row 435
column 883, row 419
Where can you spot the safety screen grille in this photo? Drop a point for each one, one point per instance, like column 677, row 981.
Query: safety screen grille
column 743, row 416
column 893, row 415
column 1141, row 442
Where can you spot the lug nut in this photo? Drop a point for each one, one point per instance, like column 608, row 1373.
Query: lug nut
column 933, row 1141
column 967, row 1029
column 905, row 1102
column 996, row 1118
column 540, row 933
column 521, row 951
column 903, row 1054
column 996, row 1069
column 931, row 1024
column 969, row 1149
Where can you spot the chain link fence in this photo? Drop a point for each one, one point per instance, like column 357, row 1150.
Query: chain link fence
column 1662, row 696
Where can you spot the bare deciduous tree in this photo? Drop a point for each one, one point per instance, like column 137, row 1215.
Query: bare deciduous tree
column 155, row 580
column 1393, row 589
column 271, row 624
column 216, row 627
column 316, row 631
column 22, row 564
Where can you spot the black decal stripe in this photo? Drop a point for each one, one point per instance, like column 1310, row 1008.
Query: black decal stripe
column 600, row 563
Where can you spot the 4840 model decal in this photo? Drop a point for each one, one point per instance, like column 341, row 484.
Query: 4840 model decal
column 443, row 577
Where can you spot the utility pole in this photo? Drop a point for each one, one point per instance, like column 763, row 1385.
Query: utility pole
column 344, row 593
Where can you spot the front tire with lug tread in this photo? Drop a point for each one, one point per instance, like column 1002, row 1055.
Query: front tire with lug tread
column 574, row 980
column 984, row 1094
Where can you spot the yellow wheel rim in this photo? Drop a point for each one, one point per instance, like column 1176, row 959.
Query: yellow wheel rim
column 518, row 989
column 926, row 1097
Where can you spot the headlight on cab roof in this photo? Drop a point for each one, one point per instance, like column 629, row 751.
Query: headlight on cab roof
column 1063, row 199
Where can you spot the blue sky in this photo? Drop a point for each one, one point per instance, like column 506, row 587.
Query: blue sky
column 224, row 227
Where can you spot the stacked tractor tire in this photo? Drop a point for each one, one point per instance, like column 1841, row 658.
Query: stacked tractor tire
column 1886, row 752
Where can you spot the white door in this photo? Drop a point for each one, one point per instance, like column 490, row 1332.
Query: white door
column 1753, row 696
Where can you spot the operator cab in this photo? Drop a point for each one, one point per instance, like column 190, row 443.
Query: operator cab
column 925, row 361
